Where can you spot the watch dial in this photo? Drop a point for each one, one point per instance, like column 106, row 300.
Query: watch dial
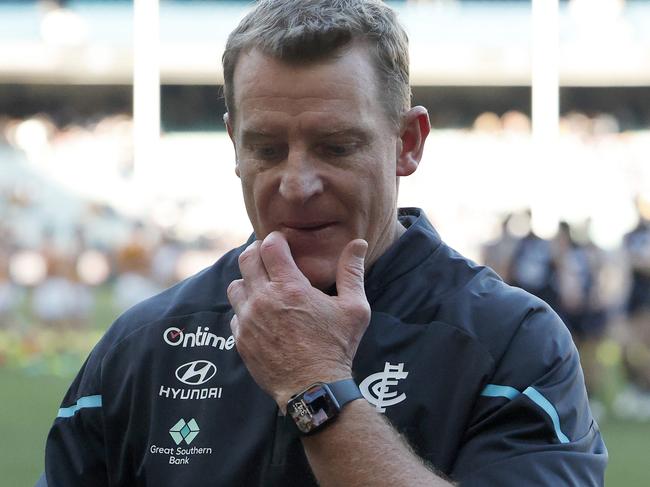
column 313, row 408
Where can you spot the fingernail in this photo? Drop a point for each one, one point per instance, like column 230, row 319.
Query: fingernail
column 360, row 249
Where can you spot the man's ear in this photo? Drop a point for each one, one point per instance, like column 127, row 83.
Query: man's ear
column 227, row 122
column 414, row 131
column 229, row 128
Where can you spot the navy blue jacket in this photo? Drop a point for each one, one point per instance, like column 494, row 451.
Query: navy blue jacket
column 482, row 378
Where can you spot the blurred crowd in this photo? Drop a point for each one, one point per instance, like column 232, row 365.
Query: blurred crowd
column 58, row 248
column 60, row 282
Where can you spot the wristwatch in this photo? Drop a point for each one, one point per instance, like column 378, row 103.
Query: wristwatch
column 319, row 404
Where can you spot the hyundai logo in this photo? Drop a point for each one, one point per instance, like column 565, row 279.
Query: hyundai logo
column 196, row 373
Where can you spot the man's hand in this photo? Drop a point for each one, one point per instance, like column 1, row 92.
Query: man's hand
column 288, row 333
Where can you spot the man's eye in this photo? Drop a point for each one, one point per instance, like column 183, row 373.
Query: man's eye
column 267, row 152
column 338, row 150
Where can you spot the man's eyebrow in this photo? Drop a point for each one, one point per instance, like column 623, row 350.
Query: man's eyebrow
column 344, row 132
column 255, row 134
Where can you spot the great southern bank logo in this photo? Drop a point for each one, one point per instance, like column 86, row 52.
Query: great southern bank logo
column 184, row 431
column 178, row 337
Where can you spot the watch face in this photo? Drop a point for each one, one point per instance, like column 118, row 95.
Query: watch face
column 312, row 408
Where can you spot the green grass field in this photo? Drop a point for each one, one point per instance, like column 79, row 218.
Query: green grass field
column 29, row 404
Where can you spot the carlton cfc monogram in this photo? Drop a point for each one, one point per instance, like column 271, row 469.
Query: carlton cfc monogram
column 376, row 387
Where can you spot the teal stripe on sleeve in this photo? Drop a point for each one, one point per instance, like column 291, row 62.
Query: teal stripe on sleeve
column 545, row 404
column 495, row 390
column 82, row 402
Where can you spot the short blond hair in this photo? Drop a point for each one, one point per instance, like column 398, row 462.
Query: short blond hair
column 307, row 31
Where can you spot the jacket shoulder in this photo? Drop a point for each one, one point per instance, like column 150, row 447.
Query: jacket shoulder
column 493, row 312
column 205, row 291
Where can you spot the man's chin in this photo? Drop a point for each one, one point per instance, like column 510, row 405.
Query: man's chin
column 320, row 272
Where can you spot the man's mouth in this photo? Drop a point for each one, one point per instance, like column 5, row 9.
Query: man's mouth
column 308, row 226
column 313, row 231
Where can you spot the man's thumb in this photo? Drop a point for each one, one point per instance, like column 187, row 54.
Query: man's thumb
column 349, row 274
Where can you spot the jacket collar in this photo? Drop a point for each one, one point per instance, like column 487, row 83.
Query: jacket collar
column 414, row 246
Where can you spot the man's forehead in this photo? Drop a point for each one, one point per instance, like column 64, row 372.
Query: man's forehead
column 275, row 108
column 259, row 56
column 256, row 56
column 268, row 91
column 259, row 74
column 313, row 123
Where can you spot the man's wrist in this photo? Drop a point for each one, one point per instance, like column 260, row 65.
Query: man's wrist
column 305, row 380
column 320, row 404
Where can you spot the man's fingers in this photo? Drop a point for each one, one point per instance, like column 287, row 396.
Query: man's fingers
column 351, row 268
column 277, row 258
column 234, row 327
column 236, row 294
column 251, row 266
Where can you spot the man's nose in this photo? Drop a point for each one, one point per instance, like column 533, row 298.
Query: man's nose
column 300, row 179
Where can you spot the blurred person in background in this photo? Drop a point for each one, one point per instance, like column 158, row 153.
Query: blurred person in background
column 637, row 340
column 578, row 273
column 574, row 279
column 10, row 294
column 60, row 300
column 367, row 352
column 134, row 281
column 165, row 259
column 497, row 254
column 532, row 266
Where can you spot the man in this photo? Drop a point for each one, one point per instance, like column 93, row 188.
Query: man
column 364, row 351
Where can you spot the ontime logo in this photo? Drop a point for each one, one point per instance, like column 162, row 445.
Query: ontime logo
column 178, row 337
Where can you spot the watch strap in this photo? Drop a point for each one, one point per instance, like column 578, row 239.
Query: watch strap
column 344, row 391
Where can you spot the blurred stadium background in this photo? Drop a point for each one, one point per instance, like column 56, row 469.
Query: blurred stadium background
column 97, row 211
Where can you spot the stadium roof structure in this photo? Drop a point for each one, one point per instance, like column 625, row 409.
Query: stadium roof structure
column 452, row 44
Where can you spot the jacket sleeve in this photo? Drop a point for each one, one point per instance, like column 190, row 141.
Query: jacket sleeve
column 531, row 423
column 74, row 452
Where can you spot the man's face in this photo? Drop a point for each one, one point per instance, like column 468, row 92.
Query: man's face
column 317, row 155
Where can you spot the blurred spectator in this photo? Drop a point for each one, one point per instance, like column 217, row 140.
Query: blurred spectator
column 637, row 245
column 488, row 123
column 533, row 267
column 134, row 282
column 637, row 343
column 516, row 122
column 578, row 268
column 10, row 294
column 165, row 260
column 498, row 253
column 60, row 300
column 575, row 280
